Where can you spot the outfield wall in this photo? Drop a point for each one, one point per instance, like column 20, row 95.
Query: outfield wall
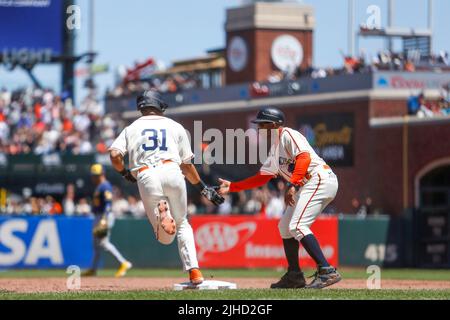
column 222, row 242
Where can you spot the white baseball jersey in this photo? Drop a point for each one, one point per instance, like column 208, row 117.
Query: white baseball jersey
column 288, row 145
column 149, row 141
column 319, row 190
column 152, row 139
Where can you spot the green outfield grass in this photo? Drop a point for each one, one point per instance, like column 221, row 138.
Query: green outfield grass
column 263, row 294
column 348, row 273
column 334, row 294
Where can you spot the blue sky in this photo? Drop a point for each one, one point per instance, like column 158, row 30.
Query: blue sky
column 133, row 30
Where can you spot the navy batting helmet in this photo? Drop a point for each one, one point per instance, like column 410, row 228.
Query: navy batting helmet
column 270, row 115
column 153, row 99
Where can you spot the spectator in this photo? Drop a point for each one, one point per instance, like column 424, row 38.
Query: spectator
column 424, row 109
column 120, row 205
column 4, row 129
column 83, row 208
column 136, row 208
column 226, row 207
column 275, row 208
column 191, row 207
column 35, row 206
column 413, row 105
column 69, row 201
column 53, row 207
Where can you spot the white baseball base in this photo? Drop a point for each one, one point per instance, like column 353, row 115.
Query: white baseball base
column 206, row 285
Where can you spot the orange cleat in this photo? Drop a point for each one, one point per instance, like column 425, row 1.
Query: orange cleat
column 196, row 276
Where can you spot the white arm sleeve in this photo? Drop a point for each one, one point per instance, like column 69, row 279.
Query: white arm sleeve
column 184, row 147
column 292, row 142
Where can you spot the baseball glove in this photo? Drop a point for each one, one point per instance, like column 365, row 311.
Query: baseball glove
column 101, row 229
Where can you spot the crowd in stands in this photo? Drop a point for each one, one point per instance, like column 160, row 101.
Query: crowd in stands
column 420, row 107
column 382, row 61
column 164, row 84
column 264, row 201
column 41, row 122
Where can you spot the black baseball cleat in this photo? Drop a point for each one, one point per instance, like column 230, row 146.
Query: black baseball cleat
column 291, row 280
column 324, row 277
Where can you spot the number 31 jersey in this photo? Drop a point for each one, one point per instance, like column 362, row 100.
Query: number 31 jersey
column 152, row 139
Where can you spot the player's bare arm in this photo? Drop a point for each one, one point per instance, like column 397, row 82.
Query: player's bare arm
column 190, row 172
column 119, row 165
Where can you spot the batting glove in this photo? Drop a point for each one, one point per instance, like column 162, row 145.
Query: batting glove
column 210, row 193
column 127, row 175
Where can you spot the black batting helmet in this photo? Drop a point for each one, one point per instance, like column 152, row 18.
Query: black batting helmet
column 270, row 115
column 153, row 99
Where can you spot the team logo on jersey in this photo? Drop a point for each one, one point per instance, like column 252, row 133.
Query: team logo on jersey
column 288, row 163
column 108, row 195
column 217, row 237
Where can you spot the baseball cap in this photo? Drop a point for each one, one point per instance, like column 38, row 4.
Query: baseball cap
column 97, row 170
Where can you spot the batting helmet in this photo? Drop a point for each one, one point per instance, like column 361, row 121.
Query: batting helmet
column 153, row 99
column 270, row 115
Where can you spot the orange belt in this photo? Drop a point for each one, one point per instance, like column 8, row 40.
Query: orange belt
column 146, row 167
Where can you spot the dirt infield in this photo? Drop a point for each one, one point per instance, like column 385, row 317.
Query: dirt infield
column 58, row 285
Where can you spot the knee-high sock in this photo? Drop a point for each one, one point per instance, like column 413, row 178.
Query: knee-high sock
column 186, row 246
column 108, row 246
column 312, row 246
column 291, row 247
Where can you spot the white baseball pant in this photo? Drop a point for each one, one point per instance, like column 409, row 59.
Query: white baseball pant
column 310, row 201
column 166, row 182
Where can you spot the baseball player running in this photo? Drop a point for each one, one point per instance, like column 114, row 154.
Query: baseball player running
column 103, row 223
column 159, row 159
column 311, row 186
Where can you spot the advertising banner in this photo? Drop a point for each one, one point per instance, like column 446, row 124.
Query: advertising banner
column 31, row 27
column 40, row 243
column 331, row 136
column 411, row 80
column 254, row 242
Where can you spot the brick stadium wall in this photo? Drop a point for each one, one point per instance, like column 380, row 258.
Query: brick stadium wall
column 384, row 108
column 428, row 142
column 259, row 45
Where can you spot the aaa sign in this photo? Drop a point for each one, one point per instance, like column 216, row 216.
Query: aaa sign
column 254, row 242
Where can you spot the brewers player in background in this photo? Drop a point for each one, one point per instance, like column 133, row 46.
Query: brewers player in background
column 103, row 223
column 311, row 186
column 160, row 159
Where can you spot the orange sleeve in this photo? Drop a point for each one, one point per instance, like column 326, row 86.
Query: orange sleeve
column 302, row 163
column 253, row 182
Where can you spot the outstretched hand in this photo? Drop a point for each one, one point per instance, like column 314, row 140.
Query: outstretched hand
column 224, row 187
